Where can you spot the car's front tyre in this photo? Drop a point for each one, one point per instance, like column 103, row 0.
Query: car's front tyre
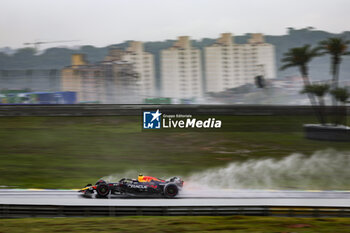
column 102, row 190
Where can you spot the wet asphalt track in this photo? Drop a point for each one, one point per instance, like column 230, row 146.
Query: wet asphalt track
column 203, row 197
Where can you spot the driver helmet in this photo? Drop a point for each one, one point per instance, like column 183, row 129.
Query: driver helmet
column 140, row 178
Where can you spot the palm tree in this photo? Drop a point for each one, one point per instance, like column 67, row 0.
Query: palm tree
column 300, row 57
column 319, row 90
column 336, row 47
column 340, row 94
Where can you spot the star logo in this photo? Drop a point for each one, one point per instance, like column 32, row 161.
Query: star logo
column 151, row 120
column 156, row 115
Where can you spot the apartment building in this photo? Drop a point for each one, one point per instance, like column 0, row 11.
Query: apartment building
column 229, row 65
column 181, row 74
column 84, row 79
column 143, row 63
column 121, row 83
column 110, row 81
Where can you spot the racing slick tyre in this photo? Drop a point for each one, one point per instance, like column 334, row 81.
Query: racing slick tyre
column 171, row 190
column 102, row 190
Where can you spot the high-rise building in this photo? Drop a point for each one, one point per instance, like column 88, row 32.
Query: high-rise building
column 228, row 65
column 121, row 82
column 84, row 79
column 143, row 63
column 110, row 81
column 181, row 74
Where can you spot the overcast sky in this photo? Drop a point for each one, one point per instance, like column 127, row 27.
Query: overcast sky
column 103, row 22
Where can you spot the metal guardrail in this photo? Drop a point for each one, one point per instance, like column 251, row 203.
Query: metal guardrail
column 136, row 109
column 19, row 211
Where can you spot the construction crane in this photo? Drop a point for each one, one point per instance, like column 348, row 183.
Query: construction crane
column 38, row 43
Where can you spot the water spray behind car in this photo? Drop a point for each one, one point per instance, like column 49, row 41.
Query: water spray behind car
column 322, row 169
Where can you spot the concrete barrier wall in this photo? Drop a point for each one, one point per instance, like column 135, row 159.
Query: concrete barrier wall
column 136, row 110
column 21, row 211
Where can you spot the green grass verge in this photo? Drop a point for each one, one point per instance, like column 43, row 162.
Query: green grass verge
column 68, row 152
column 177, row 224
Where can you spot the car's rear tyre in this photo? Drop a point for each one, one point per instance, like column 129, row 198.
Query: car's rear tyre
column 171, row 190
column 102, row 190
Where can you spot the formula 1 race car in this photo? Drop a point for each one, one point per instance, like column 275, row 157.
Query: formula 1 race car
column 143, row 186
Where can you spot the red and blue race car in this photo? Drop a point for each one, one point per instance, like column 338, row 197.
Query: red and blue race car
column 143, row 186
